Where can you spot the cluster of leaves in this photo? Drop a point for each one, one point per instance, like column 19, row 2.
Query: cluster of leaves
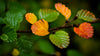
column 60, row 38
column 23, row 43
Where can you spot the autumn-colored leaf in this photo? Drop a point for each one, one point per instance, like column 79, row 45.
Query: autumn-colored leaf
column 85, row 30
column 40, row 28
column 31, row 18
column 63, row 10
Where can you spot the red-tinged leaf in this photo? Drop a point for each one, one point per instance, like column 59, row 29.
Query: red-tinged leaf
column 85, row 30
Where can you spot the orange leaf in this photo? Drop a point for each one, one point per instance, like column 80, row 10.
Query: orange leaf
column 63, row 10
column 31, row 18
column 40, row 28
column 85, row 30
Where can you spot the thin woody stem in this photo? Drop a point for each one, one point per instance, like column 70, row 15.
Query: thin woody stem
column 61, row 27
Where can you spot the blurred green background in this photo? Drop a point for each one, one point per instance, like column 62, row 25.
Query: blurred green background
column 29, row 44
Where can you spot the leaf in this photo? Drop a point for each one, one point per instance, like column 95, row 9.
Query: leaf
column 86, row 15
column 11, row 33
column 56, row 23
column 46, row 47
column 40, row 28
column 28, row 54
column 4, row 37
column 48, row 14
column 85, row 30
column 13, row 18
column 15, row 14
column 73, row 53
column 5, row 48
column 65, row 11
column 31, row 18
column 25, row 44
column 2, row 6
column 60, row 39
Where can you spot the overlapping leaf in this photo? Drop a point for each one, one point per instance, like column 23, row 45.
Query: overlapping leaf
column 25, row 43
column 31, row 18
column 56, row 23
column 60, row 39
column 40, row 28
column 11, row 33
column 65, row 11
column 15, row 15
column 86, row 15
column 48, row 14
column 13, row 18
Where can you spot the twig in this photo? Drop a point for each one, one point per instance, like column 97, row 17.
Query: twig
column 70, row 20
column 24, row 31
column 61, row 27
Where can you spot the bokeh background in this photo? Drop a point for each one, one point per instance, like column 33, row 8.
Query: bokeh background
column 41, row 45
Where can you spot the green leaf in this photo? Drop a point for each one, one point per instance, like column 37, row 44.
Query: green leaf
column 2, row 6
column 11, row 33
column 15, row 15
column 46, row 47
column 13, row 18
column 27, row 54
column 60, row 39
column 73, row 53
column 25, row 43
column 6, row 48
column 86, row 15
column 56, row 23
column 4, row 37
column 48, row 14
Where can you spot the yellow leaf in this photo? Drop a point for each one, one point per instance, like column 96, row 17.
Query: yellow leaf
column 15, row 52
column 65, row 11
column 31, row 18
column 40, row 28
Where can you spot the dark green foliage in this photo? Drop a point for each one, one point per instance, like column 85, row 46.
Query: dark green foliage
column 4, row 37
column 15, row 15
column 11, row 33
column 46, row 47
column 73, row 53
column 1, row 20
column 16, row 7
column 6, row 48
column 24, row 43
column 59, row 22
column 2, row 6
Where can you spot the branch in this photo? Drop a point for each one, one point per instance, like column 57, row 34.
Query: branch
column 24, row 31
column 61, row 27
